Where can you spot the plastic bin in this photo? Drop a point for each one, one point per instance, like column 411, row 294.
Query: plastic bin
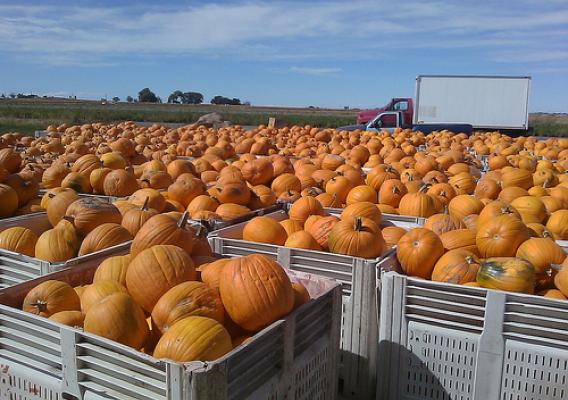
column 17, row 268
column 443, row 341
column 563, row 244
column 294, row 358
column 360, row 284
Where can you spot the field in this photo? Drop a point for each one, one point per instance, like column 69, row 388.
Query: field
column 28, row 115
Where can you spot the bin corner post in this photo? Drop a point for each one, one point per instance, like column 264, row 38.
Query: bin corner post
column 364, row 330
column 287, row 382
column 385, row 335
column 491, row 348
column 70, row 381
column 216, row 245
column 208, row 382
column 335, row 342
column 284, row 256
column 176, row 377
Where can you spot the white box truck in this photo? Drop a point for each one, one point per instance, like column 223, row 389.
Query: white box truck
column 460, row 103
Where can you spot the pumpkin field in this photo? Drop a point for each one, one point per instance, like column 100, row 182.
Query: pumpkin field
column 193, row 244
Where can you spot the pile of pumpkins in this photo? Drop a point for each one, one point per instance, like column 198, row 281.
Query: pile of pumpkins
column 499, row 245
column 156, row 300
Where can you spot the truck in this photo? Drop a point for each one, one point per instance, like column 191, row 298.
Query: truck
column 450, row 102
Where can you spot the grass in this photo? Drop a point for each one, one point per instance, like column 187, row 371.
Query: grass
column 28, row 115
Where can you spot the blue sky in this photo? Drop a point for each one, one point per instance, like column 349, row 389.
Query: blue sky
column 295, row 53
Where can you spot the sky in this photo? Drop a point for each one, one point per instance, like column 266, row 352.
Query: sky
column 289, row 53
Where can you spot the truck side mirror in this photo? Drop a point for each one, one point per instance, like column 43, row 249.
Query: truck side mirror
column 378, row 123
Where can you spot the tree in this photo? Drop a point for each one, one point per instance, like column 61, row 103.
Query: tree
column 225, row 100
column 129, row 99
column 192, row 98
column 147, row 96
column 175, row 97
column 116, row 99
column 12, row 95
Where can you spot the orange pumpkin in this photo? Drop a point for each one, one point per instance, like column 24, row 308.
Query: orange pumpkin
column 541, row 253
column 134, row 219
column 211, row 273
column 417, row 204
column 464, row 205
column 456, row 266
column 291, row 226
column 321, row 229
column 163, row 229
column 362, row 209
column 418, row 251
column 361, row 193
column 194, row 339
column 102, row 237
column 50, row 297
column 358, row 237
column 185, row 300
column 18, row 239
column 70, row 318
column 9, row 201
column 301, row 294
column 265, row 230
column 558, row 224
column 113, row 269
column 98, row 291
column 442, row 223
column 500, row 236
column 302, row 208
column 302, row 240
column 530, row 208
column 57, row 245
column 255, row 291
column 88, row 213
column 392, row 235
column 119, row 318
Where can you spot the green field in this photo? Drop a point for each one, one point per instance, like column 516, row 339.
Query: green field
column 27, row 115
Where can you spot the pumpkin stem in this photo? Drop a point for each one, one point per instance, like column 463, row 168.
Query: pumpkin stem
column 145, row 205
column 183, row 219
column 424, row 188
column 40, row 305
column 546, row 234
column 395, row 190
column 51, row 195
column 435, row 180
column 358, row 224
column 69, row 218
column 469, row 259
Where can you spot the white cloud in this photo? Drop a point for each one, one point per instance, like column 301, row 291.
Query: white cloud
column 315, row 71
column 286, row 31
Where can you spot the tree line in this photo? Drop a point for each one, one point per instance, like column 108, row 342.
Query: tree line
column 179, row 97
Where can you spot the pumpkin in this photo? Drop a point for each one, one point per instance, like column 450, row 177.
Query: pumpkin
column 456, row 266
column 361, row 193
column 500, row 236
column 151, row 197
column 509, row 194
column 328, row 200
column 507, row 273
column 417, row 204
column 229, row 211
column 211, row 273
column 88, row 213
column 163, row 229
column 301, row 294
column 178, row 167
column 558, row 224
column 102, row 237
column 185, row 189
column 442, row 223
column 541, row 253
column 302, row 208
column 378, row 175
column 154, row 271
column 70, row 318
column 117, row 317
column 459, row 238
column 392, row 235
column 530, row 208
column 9, row 201
column 202, row 203
column 463, row 205
column 234, row 193
column 362, row 209
column 258, row 172
column 50, row 297
column 98, row 291
column 552, row 294
column 120, row 183
column 487, row 189
column 561, row 279
column 302, row 240
column 97, row 179
column 291, row 226
column 113, row 269
column 113, row 160
column 54, row 175
column 418, row 251
column 518, row 178
column 391, row 192
column 285, row 183
column 18, row 239
column 185, row 300
column 255, row 291
column 57, row 206
column 265, row 230
column 77, row 182
column 496, row 208
column 321, row 229
column 123, row 206
column 86, row 164
column 134, row 219
column 57, row 245
column 194, row 339
column 339, row 186
column 358, row 237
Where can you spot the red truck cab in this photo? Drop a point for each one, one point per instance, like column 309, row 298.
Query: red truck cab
column 403, row 105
